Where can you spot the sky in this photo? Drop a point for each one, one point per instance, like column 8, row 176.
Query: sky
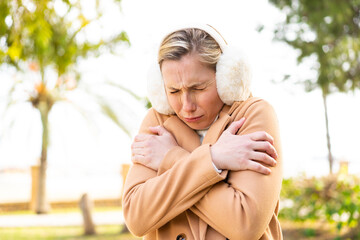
column 101, row 147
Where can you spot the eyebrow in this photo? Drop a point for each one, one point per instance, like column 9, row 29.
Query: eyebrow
column 194, row 85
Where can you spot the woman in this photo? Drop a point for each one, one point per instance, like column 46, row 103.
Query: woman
column 207, row 162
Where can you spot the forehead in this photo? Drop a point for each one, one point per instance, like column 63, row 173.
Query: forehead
column 188, row 71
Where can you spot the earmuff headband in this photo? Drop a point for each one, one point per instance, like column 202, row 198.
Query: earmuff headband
column 206, row 28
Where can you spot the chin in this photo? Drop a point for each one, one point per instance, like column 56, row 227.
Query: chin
column 198, row 126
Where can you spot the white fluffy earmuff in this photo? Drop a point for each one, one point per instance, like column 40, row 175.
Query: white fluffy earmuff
column 232, row 75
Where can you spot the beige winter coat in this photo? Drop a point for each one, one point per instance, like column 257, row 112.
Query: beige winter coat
column 188, row 199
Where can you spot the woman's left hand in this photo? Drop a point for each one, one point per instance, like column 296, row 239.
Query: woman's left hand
column 149, row 150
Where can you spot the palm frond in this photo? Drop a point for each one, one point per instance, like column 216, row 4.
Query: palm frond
column 6, row 128
column 106, row 109
column 110, row 113
column 10, row 103
column 134, row 95
column 85, row 114
column 144, row 100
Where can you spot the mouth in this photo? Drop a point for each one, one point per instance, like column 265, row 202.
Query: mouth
column 192, row 119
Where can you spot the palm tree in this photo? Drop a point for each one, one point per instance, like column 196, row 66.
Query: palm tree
column 41, row 40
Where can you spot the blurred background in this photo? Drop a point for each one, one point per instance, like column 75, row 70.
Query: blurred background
column 73, row 94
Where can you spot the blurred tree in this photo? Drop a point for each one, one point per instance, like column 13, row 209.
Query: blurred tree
column 330, row 32
column 48, row 37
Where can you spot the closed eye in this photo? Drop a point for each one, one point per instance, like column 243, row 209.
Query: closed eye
column 174, row 91
column 199, row 89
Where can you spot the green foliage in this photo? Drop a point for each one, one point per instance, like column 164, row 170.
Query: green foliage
column 44, row 36
column 328, row 30
column 333, row 199
column 309, row 232
column 34, row 30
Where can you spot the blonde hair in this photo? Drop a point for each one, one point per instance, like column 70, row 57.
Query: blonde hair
column 188, row 41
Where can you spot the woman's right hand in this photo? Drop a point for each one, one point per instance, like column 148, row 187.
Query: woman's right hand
column 244, row 152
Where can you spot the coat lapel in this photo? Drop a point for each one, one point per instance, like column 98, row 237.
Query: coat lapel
column 189, row 140
column 218, row 126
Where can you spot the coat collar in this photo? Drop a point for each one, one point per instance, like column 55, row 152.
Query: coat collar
column 187, row 138
column 218, row 126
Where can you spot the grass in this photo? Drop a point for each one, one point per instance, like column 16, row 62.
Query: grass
column 104, row 232
column 313, row 230
column 291, row 230
column 309, row 230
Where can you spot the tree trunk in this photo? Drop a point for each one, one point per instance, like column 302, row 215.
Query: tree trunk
column 330, row 158
column 41, row 204
column 124, row 171
column 86, row 206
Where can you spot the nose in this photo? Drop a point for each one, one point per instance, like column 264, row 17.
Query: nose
column 188, row 102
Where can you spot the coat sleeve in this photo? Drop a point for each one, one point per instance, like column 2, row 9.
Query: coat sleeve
column 242, row 206
column 152, row 200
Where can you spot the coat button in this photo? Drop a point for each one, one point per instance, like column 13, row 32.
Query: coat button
column 181, row 237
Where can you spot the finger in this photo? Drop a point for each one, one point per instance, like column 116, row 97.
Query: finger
column 140, row 144
column 139, row 151
column 138, row 159
column 262, row 136
column 257, row 167
column 264, row 158
column 159, row 130
column 235, row 126
column 141, row 137
column 265, row 146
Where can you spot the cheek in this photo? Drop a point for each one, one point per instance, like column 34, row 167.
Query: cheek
column 210, row 101
column 174, row 102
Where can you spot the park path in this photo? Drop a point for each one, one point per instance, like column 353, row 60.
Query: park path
column 60, row 219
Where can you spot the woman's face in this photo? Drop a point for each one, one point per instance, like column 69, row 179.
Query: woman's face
column 191, row 91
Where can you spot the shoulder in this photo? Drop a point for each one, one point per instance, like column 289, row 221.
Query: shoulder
column 259, row 116
column 251, row 106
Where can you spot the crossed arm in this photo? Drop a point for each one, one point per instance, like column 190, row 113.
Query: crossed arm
column 155, row 194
